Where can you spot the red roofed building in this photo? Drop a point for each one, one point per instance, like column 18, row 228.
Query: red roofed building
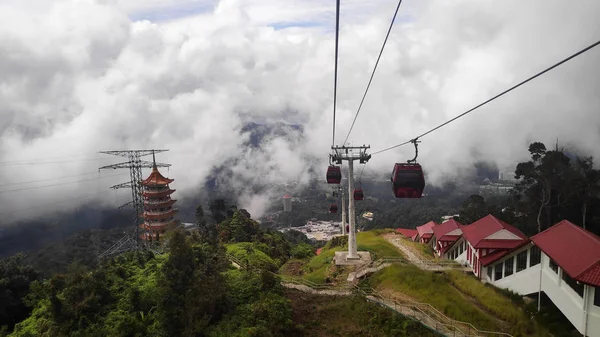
column 564, row 263
column 425, row 232
column 158, row 205
column 409, row 233
column 444, row 237
column 489, row 239
column 564, row 241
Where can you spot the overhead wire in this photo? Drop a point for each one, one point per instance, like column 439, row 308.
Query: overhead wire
column 495, row 97
column 60, row 184
column 374, row 69
column 46, row 158
column 337, row 34
column 47, row 179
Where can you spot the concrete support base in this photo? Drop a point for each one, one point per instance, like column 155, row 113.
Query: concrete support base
column 341, row 259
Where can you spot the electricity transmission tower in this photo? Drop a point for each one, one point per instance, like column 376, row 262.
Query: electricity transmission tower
column 135, row 165
column 350, row 154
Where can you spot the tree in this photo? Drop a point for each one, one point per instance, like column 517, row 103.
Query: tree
column 473, row 209
column 208, row 232
column 218, row 209
column 15, row 278
column 587, row 185
column 544, row 183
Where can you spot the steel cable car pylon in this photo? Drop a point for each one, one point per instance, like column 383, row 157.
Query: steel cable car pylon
column 407, row 178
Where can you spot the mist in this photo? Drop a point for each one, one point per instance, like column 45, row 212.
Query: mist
column 78, row 77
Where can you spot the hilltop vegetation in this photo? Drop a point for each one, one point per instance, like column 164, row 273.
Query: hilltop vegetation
column 191, row 291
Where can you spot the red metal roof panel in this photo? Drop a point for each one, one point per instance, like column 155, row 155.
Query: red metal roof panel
column 500, row 244
column 487, row 226
column 409, row 233
column 445, row 228
column 426, row 228
column 591, row 276
column 574, row 249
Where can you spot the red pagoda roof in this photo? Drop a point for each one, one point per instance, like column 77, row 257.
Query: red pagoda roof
column 167, row 203
column 159, row 194
column 156, row 179
column 149, row 216
column 574, row 249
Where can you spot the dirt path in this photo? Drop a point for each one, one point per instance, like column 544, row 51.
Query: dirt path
column 410, row 253
column 416, row 257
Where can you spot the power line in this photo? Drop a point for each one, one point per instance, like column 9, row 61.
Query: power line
column 497, row 96
column 337, row 35
column 57, row 178
column 55, row 157
column 52, row 203
column 374, row 69
column 60, row 184
column 13, row 163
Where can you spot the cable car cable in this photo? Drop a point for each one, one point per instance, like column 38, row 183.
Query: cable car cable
column 374, row 69
column 337, row 34
column 493, row 98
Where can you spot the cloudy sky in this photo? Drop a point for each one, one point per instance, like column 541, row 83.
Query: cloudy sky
column 80, row 76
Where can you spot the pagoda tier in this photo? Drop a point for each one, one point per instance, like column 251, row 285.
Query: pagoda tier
column 158, row 205
column 157, row 194
column 159, row 226
column 156, row 179
column 159, row 215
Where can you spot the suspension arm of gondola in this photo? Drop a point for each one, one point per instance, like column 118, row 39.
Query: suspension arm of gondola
column 416, row 143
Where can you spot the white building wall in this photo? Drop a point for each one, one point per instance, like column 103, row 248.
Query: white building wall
column 593, row 319
column 560, row 293
column 525, row 282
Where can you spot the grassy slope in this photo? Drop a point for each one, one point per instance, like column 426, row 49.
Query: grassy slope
column 247, row 252
column 377, row 245
column 349, row 316
column 320, row 268
column 475, row 303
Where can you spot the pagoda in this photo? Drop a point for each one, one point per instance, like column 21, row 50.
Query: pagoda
column 158, row 205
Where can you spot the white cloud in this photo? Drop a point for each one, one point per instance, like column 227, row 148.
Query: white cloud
column 79, row 76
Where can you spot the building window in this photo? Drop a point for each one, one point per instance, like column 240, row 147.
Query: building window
column 536, row 256
column 508, row 266
column 521, row 261
column 489, row 272
column 597, row 296
column 553, row 266
column 498, row 272
column 573, row 284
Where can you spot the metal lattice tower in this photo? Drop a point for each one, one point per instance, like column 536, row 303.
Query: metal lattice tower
column 135, row 165
column 350, row 154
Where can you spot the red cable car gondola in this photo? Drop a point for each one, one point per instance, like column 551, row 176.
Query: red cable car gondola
column 358, row 194
column 334, row 174
column 407, row 179
column 333, row 208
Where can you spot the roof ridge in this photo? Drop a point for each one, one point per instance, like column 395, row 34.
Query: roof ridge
column 582, row 230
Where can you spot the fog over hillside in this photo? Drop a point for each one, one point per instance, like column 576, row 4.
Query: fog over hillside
column 80, row 76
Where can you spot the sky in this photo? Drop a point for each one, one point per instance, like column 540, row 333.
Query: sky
column 82, row 76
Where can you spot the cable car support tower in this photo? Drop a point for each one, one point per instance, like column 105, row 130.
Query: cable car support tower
column 135, row 165
column 350, row 154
